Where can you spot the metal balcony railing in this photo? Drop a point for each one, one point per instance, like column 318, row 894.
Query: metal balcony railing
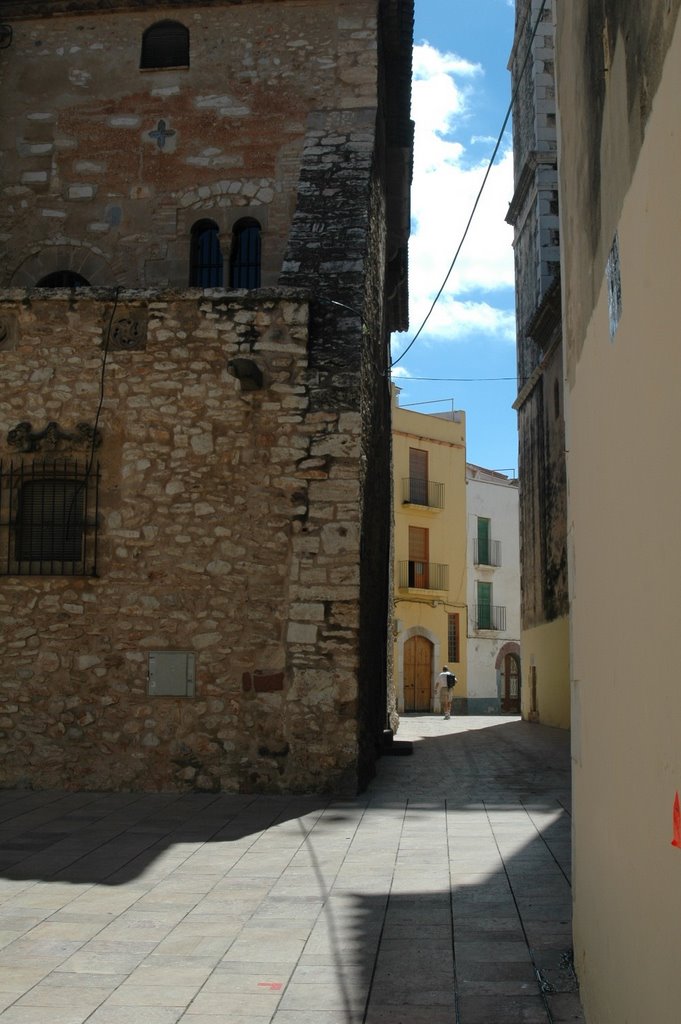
column 486, row 552
column 489, row 616
column 423, row 575
column 423, row 492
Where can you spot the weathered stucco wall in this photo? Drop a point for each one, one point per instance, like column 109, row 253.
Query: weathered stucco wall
column 229, row 527
column 541, row 443
column 609, row 94
column 420, row 611
column 496, row 500
column 620, row 159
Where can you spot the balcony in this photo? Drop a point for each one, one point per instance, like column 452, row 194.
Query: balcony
column 486, row 552
column 489, row 616
column 426, row 493
column 423, row 576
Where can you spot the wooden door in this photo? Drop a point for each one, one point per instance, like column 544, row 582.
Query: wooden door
column 418, row 476
column 418, row 557
column 418, row 673
column 512, row 684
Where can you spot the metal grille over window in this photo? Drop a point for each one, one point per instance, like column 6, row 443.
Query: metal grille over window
column 206, row 269
column 165, row 45
column 453, row 636
column 244, row 264
column 48, row 518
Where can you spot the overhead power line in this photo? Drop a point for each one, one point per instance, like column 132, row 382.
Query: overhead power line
column 481, row 189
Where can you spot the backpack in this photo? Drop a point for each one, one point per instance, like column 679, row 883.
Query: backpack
column 451, row 680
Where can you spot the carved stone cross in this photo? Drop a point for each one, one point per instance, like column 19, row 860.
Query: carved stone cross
column 161, row 133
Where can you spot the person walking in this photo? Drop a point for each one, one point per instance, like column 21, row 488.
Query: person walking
column 447, row 682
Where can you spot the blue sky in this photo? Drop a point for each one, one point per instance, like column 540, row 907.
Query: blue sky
column 460, row 95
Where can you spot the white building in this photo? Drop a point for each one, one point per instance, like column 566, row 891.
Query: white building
column 493, row 556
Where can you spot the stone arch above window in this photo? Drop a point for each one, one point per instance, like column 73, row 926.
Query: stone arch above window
column 75, row 260
column 205, row 261
column 165, row 44
column 245, row 255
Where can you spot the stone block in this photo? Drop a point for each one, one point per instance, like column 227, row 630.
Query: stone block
column 301, row 633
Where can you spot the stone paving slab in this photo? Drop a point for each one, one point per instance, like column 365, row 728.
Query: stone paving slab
column 440, row 895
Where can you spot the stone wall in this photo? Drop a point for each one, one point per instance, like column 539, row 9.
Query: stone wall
column 229, row 527
column 245, row 440
column 106, row 167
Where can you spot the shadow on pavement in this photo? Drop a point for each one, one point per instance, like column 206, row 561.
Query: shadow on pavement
column 440, row 895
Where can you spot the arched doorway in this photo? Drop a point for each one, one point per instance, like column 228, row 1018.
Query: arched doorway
column 510, row 702
column 418, row 673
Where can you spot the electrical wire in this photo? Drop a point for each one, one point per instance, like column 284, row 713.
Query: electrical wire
column 481, row 189
column 102, row 378
column 461, row 380
column 83, row 484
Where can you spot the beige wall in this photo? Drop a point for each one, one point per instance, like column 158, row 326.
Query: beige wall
column 418, row 611
column 545, row 657
column 624, row 421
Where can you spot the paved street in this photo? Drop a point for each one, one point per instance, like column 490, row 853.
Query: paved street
column 439, row 895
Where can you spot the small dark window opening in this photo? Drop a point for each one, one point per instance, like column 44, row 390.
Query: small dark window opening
column 244, row 263
column 50, row 521
column 63, row 279
column 206, row 265
column 165, row 45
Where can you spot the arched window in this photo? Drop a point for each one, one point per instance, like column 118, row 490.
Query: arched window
column 244, row 262
column 165, row 45
column 205, row 269
column 63, row 279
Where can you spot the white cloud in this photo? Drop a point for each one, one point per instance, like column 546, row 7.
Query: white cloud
column 455, row 320
column 446, row 182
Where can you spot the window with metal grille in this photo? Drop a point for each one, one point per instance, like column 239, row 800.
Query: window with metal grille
column 244, row 263
column 453, row 636
column 165, row 45
column 48, row 518
column 206, row 265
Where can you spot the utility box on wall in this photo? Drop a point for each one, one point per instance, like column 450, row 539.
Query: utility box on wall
column 172, row 674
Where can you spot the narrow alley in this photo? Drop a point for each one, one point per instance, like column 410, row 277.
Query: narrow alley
column 440, row 895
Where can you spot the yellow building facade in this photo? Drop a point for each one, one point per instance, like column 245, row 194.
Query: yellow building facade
column 429, row 498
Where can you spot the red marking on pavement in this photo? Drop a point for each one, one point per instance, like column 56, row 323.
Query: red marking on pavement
column 273, row 985
column 676, row 818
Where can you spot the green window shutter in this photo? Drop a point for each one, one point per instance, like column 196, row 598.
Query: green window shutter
column 483, row 541
column 484, row 605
